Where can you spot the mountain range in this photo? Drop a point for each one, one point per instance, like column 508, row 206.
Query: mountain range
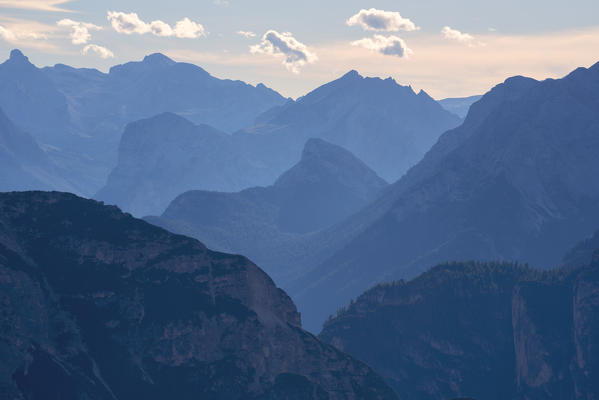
column 80, row 113
column 326, row 186
column 99, row 305
column 513, row 182
column 482, row 330
column 387, row 126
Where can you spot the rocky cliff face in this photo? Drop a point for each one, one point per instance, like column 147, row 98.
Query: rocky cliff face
column 166, row 155
column 99, row 305
column 490, row 331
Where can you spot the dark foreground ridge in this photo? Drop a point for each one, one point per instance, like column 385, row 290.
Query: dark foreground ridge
column 488, row 330
column 99, row 305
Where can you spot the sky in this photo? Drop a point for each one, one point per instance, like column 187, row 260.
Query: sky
column 447, row 48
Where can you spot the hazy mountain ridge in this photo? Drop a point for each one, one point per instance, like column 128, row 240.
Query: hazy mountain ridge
column 101, row 305
column 23, row 164
column 384, row 124
column 486, row 330
column 510, row 183
column 325, row 186
column 157, row 84
column 80, row 113
column 166, row 155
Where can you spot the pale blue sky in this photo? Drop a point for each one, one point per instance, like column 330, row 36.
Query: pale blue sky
column 495, row 39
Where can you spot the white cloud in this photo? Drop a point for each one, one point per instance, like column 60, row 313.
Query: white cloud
column 186, row 28
column 380, row 20
column 295, row 54
column 455, row 35
column 129, row 23
column 224, row 3
column 158, row 28
column 79, row 30
column 100, row 51
column 42, row 5
column 246, row 34
column 387, row 45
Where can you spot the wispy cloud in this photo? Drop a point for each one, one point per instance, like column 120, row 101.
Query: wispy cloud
column 130, row 23
column 380, row 20
column 79, row 30
column 14, row 36
column 27, row 33
column 387, row 45
column 41, row 5
column 455, row 35
column 100, row 51
column 246, row 34
column 295, row 54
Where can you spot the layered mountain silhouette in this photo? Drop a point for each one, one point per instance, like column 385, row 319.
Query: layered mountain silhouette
column 23, row 164
column 166, row 155
column 513, row 182
column 99, row 305
column 459, row 105
column 384, row 124
column 482, row 330
column 327, row 185
column 80, row 114
column 158, row 84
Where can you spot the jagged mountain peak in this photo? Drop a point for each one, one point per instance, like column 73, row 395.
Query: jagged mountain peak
column 19, row 61
column 353, row 74
column 17, row 55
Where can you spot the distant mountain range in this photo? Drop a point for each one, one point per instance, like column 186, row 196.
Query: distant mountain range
column 384, row 124
column 483, row 330
column 80, row 113
column 23, row 164
column 514, row 182
column 459, row 105
column 99, row 305
column 327, row 185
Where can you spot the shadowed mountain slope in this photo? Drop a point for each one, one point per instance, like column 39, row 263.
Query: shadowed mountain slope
column 326, row 186
column 486, row 330
column 516, row 181
column 99, row 305
column 23, row 164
